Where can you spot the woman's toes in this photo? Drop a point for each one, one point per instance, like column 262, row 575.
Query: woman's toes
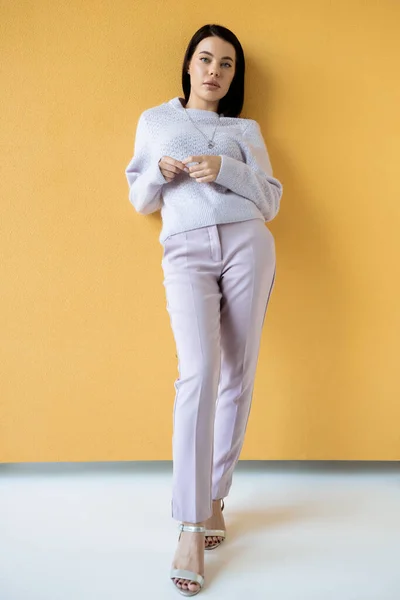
column 211, row 541
column 189, row 585
column 193, row 586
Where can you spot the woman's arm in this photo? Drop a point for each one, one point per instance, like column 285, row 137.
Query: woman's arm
column 143, row 173
column 253, row 178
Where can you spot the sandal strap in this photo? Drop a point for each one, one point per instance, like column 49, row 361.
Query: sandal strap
column 193, row 528
column 215, row 532
column 185, row 574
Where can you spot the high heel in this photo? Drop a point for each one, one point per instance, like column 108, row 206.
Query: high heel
column 191, row 576
column 215, row 533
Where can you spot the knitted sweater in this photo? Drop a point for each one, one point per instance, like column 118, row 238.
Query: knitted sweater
column 244, row 188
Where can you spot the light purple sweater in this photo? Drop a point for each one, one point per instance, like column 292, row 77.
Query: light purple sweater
column 244, row 188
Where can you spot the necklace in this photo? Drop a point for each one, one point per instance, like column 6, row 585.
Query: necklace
column 211, row 144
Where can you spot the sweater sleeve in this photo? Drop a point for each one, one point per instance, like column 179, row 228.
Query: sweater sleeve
column 144, row 176
column 253, row 178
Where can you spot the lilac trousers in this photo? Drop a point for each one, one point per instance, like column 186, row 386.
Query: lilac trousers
column 218, row 281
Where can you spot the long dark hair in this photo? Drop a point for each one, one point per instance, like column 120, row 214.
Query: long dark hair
column 232, row 103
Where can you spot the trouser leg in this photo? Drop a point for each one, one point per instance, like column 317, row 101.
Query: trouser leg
column 193, row 302
column 246, row 285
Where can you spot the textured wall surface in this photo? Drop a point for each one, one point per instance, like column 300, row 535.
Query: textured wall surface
column 86, row 351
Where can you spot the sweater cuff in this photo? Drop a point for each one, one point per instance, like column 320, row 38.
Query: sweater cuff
column 154, row 174
column 228, row 167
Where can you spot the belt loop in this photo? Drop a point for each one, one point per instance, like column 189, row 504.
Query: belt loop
column 210, row 241
column 215, row 243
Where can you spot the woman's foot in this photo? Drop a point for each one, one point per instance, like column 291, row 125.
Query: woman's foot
column 216, row 521
column 189, row 555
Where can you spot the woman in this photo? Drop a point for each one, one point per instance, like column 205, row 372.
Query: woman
column 208, row 171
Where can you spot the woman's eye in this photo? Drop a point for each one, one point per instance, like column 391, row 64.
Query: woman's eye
column 205, row 58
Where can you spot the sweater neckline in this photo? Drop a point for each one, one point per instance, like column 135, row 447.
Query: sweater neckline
column 201, row 112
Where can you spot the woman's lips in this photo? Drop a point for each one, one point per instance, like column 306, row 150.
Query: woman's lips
column 210, row 85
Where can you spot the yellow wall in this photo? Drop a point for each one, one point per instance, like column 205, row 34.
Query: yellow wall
column 87, row 354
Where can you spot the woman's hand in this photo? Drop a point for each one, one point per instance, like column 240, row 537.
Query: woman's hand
column 170, row 167
column 207, row 169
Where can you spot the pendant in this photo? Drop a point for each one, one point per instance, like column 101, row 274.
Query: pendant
column 211, row 144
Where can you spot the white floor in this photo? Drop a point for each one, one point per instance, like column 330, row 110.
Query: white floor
column 295, row 531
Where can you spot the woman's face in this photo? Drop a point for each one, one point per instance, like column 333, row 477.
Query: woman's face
column 213, row 59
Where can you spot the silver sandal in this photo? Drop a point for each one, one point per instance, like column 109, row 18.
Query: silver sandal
column 191, row 576
column 215, row 533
